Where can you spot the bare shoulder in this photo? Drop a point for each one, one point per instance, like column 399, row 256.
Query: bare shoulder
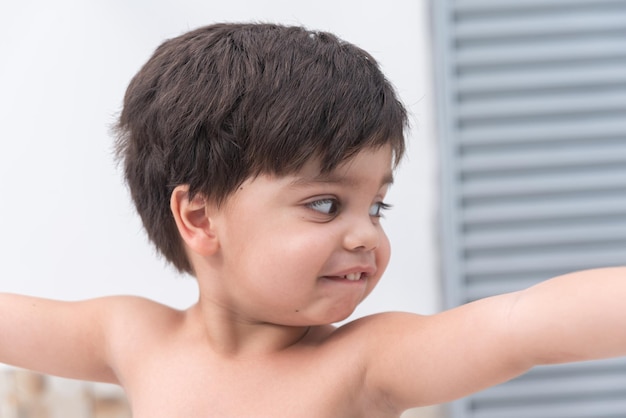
column 379, row 332
column 137, row 314
column 136, row 305
column 359, row 351
column 370, row 326
column 415, row 360
column 134, row 323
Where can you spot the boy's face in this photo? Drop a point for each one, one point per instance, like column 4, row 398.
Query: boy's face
column 303, row 249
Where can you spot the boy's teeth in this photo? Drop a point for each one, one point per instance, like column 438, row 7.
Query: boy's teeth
column 353, row 276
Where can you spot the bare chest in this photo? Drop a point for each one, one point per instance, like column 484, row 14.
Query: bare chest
column 195, row 388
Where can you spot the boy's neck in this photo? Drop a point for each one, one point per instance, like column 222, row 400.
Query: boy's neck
column 230, row 335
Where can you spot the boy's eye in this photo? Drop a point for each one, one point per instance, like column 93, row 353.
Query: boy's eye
column 326, row 206
column 376, row 210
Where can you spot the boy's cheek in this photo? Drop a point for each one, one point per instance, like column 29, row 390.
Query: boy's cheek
column 384, row 254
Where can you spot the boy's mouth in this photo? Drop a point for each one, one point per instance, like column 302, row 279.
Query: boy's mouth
column 353, row 276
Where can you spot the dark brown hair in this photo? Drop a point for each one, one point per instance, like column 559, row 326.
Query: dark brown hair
column 219, row 104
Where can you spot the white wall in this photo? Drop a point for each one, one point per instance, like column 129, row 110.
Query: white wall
column 68, row 228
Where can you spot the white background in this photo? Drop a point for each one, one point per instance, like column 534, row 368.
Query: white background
column 67, row 225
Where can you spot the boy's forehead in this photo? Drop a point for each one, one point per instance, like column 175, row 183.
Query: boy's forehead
column 375, row 163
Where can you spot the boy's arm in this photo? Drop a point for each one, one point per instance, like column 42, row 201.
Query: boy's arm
column 60, row 338
column 419, row 360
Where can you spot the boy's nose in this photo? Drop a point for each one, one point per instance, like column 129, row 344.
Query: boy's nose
column 363, row 235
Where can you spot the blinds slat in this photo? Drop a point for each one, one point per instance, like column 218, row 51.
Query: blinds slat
column 609, row 126
column 575, row 260
column 538, row 158
column 484, row 290
column 544, row 236
column 568, row 181
column 482, row 286
column 585, row 21
column 570, row 386
column 515, row 280
column 489, row 6
column 542, row 79
column 575, row 408
column 544, row 105
column 525, row 211
column 543, row 52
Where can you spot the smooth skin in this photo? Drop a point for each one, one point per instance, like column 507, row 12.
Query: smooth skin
column 276, row 264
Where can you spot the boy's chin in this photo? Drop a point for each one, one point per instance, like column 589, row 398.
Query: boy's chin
column 339, row 317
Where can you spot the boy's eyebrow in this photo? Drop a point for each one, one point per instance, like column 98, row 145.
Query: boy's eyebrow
column 332, row 178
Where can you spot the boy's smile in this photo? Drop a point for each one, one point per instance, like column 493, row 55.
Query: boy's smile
column 302, row 249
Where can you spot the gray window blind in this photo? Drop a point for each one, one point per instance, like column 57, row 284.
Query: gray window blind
column 532, row 128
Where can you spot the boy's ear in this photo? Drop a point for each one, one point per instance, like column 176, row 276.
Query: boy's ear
column 193, row 222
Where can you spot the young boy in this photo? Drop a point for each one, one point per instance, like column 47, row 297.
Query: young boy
column 258, row 157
